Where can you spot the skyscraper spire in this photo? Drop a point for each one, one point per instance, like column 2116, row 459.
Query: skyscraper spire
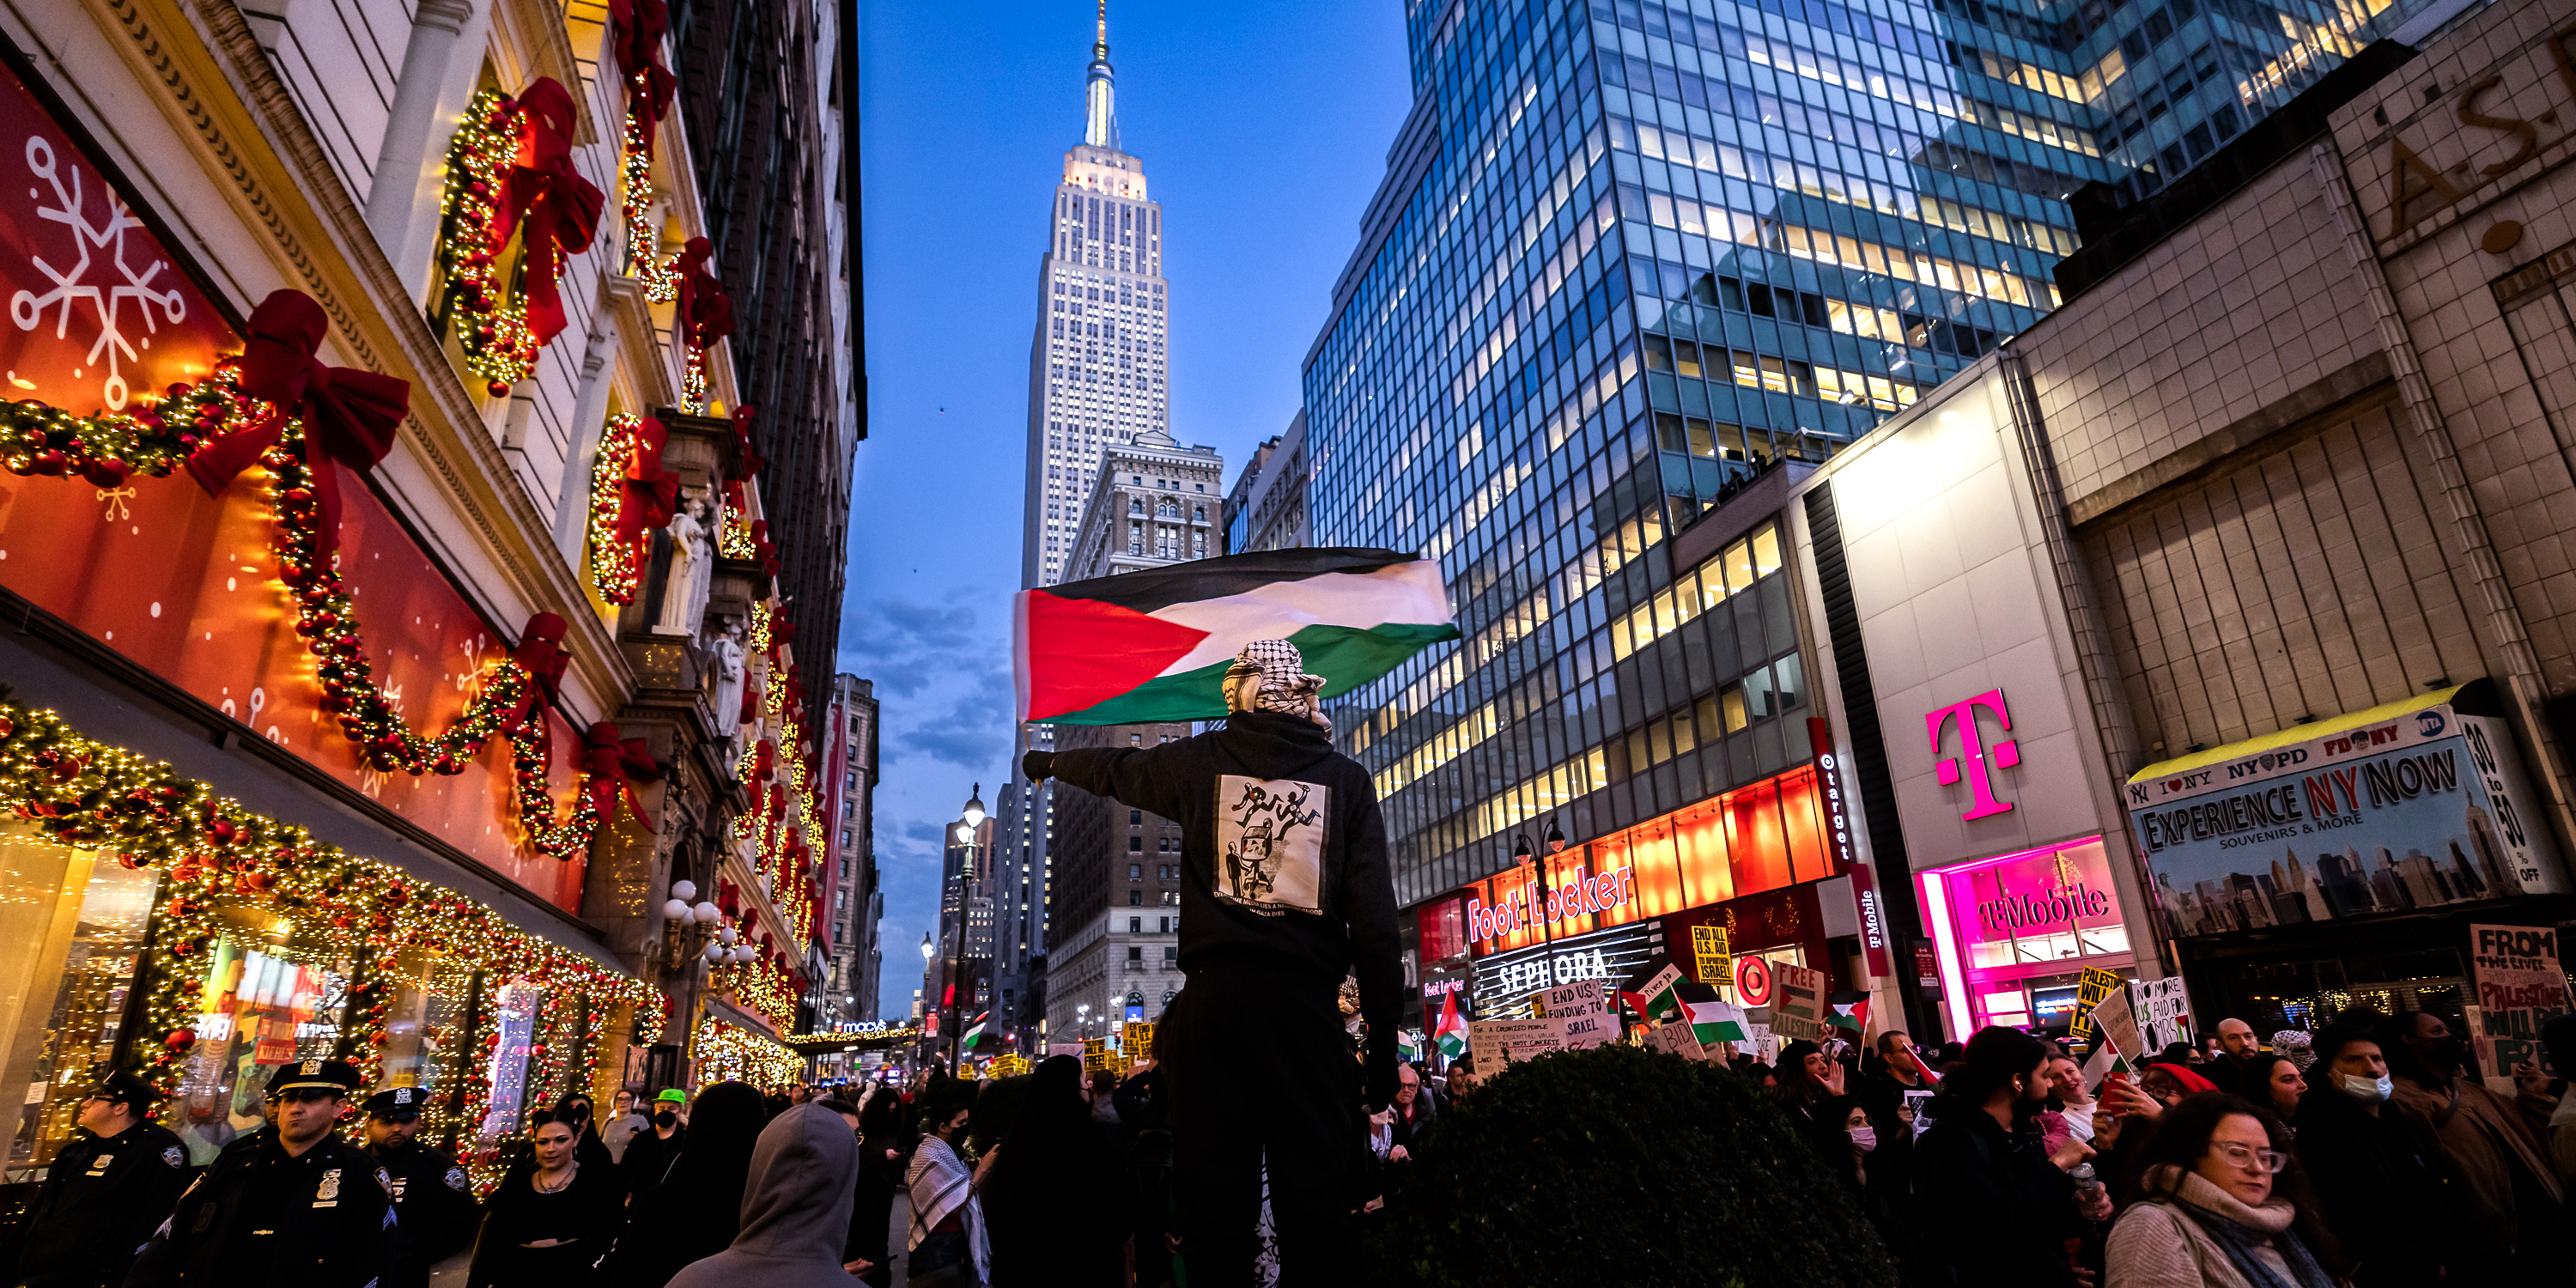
column 1100, row 95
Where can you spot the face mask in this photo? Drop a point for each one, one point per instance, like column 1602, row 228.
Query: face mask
column 2369, row 1091
column 665, row 1119
column 1866, row 1138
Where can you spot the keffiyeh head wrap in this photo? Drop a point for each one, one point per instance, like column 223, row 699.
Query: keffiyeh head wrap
column 1283, row 685
column 2293, row 1043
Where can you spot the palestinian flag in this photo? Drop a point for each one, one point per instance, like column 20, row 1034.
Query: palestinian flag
column 975, row 1031
column 1154, row 644
column 1712, row 1020
column 2105, row 1061
column 1849, row 1010
column 1408, row 1045
column 1922, row 1069
column 1451, row 1033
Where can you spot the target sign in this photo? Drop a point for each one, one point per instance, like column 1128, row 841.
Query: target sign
column 1752, row 982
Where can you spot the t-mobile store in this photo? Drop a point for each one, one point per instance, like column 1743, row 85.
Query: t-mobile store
column 1980, row 785
column 1759, row 862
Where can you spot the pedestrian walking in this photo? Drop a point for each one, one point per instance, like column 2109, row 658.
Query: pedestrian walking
column 112, row 1182
column 1990, row 1207
column 649, row 1154
column 2515, row 1207
column 1054, row 1194
column 695, row 1208
column 1285, row 891
column 2383, row 1182
column 626, row 1119
column 795, row 1208
column 885, row 1145
column 948, row 1242
column 548, row 1227
column 290, row 1203
column 2217, row 1205
column 434, row 1206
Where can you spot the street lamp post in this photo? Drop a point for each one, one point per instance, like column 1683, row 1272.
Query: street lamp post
column 974, row 816
column 1546, row 930
column 927, row 952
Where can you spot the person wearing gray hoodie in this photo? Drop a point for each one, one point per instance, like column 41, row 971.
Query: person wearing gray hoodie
column 795, row 1210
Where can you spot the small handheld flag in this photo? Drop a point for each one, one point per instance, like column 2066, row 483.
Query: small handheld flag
column 1849, row 1010
column 1712, row 1020
column 1451, row 1033
column 975, row 1031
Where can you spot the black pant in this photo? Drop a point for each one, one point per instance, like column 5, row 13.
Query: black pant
column 1261, row 1073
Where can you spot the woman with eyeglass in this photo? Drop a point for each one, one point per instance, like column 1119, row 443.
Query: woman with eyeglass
column 2215, row 1203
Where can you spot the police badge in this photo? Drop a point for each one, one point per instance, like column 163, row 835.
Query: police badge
column 456, row 1178
column 329, row 1194
column 174, row 1156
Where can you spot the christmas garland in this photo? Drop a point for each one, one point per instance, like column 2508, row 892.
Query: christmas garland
column 157, row 438
column 616, row 567
column 219, row 857
column 498, row 342
column 730, row 1053
column 660, row 284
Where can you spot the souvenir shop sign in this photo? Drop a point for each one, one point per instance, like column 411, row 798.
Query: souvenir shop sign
column 2521, row 986
column 103, row 317
column 2411, row 805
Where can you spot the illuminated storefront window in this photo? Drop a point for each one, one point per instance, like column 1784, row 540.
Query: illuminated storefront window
column 70, row 926
column 2014, row 934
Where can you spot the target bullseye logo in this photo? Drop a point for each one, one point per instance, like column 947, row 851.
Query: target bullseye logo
column 1752, row 982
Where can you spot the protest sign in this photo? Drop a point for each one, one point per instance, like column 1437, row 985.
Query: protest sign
column 1709, row 953
column 2115, row 1024
column 1139, row 1044
column 2520, row 987
column 1581, row 1012
column 1766, row 1044
column 1918, row 1099
column 1798, row 1004
column 2164, row 1013
column 1497, row 1041
column 2095, row 985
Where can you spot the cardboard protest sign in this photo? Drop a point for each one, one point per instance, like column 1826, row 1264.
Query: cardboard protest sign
column 2089, row 992
column 1798, row 1004
column 2163, row 1011
column 1581, row 1012
column 1139, row 1044
column 1494, row 1042
column 2521, row 986
column 1766, row 1044
column 1918, row 1099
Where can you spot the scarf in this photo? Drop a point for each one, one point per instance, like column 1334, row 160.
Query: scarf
column 941, row 1183
column 2215, row 1212
column 1280, row 682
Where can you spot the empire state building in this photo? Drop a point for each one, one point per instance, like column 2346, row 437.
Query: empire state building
column 1097, row 373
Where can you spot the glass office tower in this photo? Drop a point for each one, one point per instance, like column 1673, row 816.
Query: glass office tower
column 1628, row 258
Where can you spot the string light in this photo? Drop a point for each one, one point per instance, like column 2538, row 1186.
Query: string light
column 616, row 567
column 223, row 865
column 661, row 285
column 729, row 1052
column 498, row 344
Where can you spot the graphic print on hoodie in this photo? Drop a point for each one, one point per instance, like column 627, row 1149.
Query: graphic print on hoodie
column 1271, row 834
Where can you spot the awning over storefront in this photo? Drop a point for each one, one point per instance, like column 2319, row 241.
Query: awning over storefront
column 2253, row 748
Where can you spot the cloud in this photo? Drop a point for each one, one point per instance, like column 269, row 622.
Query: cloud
column 973, row 731
column 906, row 648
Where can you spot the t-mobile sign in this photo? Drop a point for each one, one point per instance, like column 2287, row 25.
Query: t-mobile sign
column 1977, row 757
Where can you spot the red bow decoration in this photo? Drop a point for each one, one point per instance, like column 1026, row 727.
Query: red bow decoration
column 747, row 463
column 750, row 704
column 540, row 653
column 704, row 307
column 611, row 765
column 650, row 495
column 349, row 415
column 636, row 28
column 558, row 207
column 768, row 557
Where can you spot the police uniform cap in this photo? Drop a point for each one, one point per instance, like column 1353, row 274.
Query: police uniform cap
column 125, row 1089
column 338, row 1076
column 397, row 1104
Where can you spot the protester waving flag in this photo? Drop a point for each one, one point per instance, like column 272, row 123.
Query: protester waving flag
column 1154, row 644
column 975, row 1031
column 1451, row 1034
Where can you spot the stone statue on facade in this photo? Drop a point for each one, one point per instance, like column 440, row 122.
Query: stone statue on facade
column 693, row 563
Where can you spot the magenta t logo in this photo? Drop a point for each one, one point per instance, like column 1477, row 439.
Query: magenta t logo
column 1972, row 749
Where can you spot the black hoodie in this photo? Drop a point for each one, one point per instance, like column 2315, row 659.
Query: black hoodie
column 1284, row 853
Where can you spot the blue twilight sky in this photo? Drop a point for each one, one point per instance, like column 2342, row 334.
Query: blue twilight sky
column 1263, row 127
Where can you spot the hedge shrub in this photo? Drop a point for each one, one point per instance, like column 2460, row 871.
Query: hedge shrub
column 1621, row 1166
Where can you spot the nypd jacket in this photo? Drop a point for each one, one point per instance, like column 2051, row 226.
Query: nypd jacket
column 434, row 1203
column 100, row 1200
column 321, row 1219
column 1283, row 858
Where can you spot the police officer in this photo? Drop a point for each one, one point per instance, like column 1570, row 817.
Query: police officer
column 432, row 1197
column 289, row 1204
column 113, row 1181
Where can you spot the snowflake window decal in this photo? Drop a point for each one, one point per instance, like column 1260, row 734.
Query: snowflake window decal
column 27, row 308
